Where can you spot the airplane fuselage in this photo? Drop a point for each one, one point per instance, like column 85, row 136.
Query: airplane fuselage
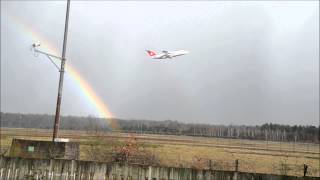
column 167, row 54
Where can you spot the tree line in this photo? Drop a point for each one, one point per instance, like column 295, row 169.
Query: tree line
column 267, row 132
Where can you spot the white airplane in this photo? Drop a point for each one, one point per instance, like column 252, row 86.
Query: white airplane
column 166, row 54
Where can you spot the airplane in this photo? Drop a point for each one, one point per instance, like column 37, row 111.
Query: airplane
column 166, row 54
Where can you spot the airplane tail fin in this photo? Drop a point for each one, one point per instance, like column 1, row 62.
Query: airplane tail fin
column 151, row 53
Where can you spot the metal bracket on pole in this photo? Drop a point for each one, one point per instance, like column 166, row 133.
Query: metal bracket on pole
column 49, row 56
column 53, row 62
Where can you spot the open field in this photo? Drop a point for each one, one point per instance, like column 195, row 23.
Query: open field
column 253, row 156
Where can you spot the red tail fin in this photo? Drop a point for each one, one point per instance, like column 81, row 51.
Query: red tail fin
column 151, row 53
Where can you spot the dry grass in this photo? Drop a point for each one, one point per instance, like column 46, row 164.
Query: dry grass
column 253, row 156
column 180, row 155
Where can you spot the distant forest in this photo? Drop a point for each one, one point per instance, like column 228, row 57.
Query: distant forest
column 268, row 132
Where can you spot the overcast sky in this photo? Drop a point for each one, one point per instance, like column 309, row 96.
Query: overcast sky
column 249, row 63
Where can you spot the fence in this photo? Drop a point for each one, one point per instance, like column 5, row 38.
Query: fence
column 291, row 167
column 50, row 169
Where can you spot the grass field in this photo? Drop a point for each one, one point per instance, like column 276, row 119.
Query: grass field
column 253, row 156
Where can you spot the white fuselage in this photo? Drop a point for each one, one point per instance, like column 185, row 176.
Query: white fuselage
column 169, row 54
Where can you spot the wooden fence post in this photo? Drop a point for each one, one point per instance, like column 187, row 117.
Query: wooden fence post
column 72, row 173
column 150, row 173
column 50, row 170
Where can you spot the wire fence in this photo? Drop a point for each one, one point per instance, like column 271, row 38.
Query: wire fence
column 278, row 168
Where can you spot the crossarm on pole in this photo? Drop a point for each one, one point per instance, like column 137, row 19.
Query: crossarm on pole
column 42, row 52
column 49, row 56
column 53, row 62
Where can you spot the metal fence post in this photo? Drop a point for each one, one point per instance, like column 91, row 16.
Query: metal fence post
column 305, row 170
column 236, row 165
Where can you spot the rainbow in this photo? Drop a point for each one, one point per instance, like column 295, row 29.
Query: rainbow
column 83, row 85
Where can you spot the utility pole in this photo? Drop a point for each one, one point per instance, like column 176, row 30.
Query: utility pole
column 63, row 61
